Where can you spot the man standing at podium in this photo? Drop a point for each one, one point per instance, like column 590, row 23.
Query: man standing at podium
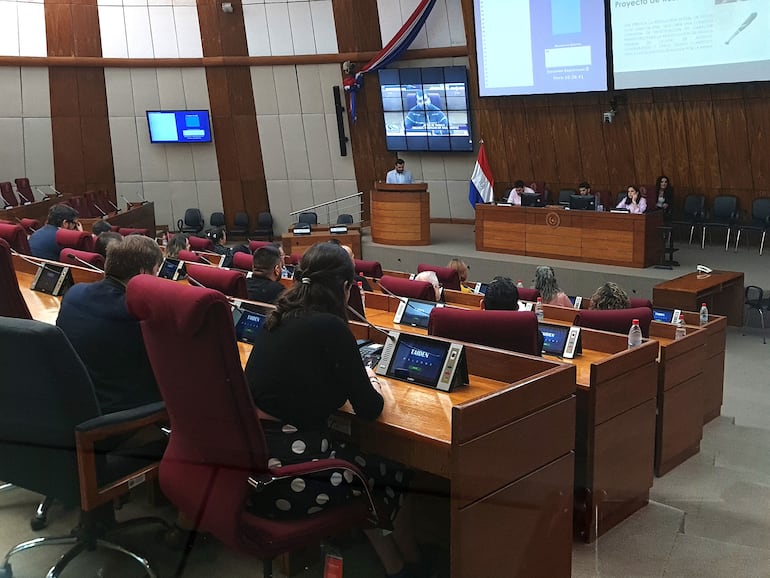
column 399, row 176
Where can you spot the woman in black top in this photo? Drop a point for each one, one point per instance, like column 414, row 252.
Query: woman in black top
column 664, row 194
column 304, row 365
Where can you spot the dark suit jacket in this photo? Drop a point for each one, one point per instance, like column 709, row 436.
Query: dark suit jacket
column 263, row 289
column 42, row 243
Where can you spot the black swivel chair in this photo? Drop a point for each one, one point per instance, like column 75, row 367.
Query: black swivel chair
column 217, row 219
column 345, row 219
column 755, row 300
column 192, row 223
column 724, row 215
column 564, row 196
column 760, row 222
column 693, row 214
column 51, row 436
column 240, row 226
column 264, row 228
column 309, row 218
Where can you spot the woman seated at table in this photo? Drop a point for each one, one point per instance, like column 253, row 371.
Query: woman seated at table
column 610, row 296
column 664, row 193
column 178, row 242
column 295, row 401
column 545, row 282
column 633, row 201
column 462, row 273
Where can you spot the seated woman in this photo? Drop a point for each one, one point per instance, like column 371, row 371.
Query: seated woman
column 177, row 243
column 610, row 296
column 295, row 401
column 634, row 201
column 664, row 193
column 462, row 272
column 545, row 282
column 218, row 236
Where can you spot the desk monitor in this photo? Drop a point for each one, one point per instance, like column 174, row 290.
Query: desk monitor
column 426, row 361
column 415, row 312
column 582, row 202
column 531, row 200
column 52, row 279
column 171, row 269
column 481, row 288
column 560, row 340
column 666, row 315
column 248, row 319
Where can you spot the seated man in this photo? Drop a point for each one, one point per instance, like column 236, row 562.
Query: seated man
column 502, row 295
column 264, row 284
column 105, row 335
column 518, row 189
column 584, row 189
column 43, row 243
column 432, row 278
column 100, row 227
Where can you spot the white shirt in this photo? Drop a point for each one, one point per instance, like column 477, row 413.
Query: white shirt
column 515, row 198
column 396, row 178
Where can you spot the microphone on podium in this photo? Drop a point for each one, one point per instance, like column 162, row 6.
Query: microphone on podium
column 77, row 259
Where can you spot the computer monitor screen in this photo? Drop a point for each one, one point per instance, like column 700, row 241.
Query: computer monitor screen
column 555, row 338
column 662, row 315
column 531, row 200
column 179, row 126
column 582, row 202
column 418, row 359
column 415, row 313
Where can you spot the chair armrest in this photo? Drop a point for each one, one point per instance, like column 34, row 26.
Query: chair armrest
column 128, row 420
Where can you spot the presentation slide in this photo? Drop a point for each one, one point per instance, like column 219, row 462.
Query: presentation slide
column 540, row 46
column 684, row 42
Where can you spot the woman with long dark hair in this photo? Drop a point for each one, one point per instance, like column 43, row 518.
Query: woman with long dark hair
column 664, row 194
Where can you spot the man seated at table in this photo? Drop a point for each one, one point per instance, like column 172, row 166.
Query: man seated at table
column 264, row 284
column 108, row 339
column 514, row 197
column 584, row 189
column 399, row 175
column 502, row 295
column 43, row 243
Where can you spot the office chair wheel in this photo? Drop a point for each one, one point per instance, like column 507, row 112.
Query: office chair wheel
column 36, row 524
column 6, row 571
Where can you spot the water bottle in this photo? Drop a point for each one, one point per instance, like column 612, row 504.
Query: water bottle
column 598, row 202
column 363, row 293
column 634, row 334
column 681, row 330
column 704, row 314
column 519, row 284
column 539, row 309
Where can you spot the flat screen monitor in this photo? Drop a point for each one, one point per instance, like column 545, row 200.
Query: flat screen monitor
column 426, row 109
column 52, row 279
column 531, row 200
column 171, row 269
column 247, row 323
column 582, row 202
column 666, row 315
column 542, row 46
column 415, row 312
column 554, row 338
column 179, row 126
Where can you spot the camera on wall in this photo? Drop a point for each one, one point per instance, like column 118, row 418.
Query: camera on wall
column 609, row 116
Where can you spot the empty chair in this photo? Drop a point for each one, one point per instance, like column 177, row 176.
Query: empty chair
column 216, row 457
column 408, row 288
column 254, row 245
column 639, row 302
column 75, row 239
column 200, row 243
column 368, row 268
column 15, row 236
column 447, row 276
column 6, row 190
column 231, row 283
column 25, row 190
column 189, row 256
column 217, row 219
column 615, row 320
column 192, row 223
column 126, row 231
column 243, row 261
column 755, row 300
column 511, row 330
column 527, row 294
column 724, row 215
column 12, row 303
column 565, row 194
column 240, row 226
column 309, row 218
column 94, row 259
column 345, row 219
column 760, row 222
column 693, row 213
column 264, row 226
column 30, row 225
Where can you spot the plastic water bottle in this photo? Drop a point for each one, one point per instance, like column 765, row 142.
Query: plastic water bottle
column 704, row 314
column 539, row 309
column 681, row 330
column 634, row 334
column 598, row 202
column 363, row 293
column 519, row 284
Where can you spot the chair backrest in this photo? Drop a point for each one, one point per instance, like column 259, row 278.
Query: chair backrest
column 264, row 221
column 345, row 219
column 25, row 191
column 615, row 320
column 241, row 220
column 620, row 196
column 409, row 288
column 94, row 259
column 725, row 208
column 231, row 283
column 126, row 231
column 189, row 256
column 30, row 225
column 15, row 236
column 694, row 205
column 368, row 268
column 74, row 239
column 565, row 194
column 511, row 330
column 639, row 302
column 38, row 420
column 254, row 245
column 309, row 218
column 6, row 190
column 217, row 441
column 243, row 261
column 448, row 277
column 12, row 303
column 527, row 294
column 760, row 210
column 217, row 219
column 193, row 218
column 200, row 244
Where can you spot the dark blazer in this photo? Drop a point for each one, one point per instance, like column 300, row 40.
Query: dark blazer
column 43, row 243
column 263, row 289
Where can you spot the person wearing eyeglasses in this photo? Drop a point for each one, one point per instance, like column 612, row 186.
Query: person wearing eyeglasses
column 42, row 243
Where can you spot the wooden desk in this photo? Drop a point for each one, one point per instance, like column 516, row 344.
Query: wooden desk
column 553, row 232
column 38, row 210
column 298, row 244
column 137, row 216
column 400, row 214
column 721, row 291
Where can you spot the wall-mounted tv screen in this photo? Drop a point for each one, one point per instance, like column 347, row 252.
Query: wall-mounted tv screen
column 426, row 109
column 542, row 46
column 182, row 126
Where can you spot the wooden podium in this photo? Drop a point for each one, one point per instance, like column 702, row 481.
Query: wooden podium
column 400, row 214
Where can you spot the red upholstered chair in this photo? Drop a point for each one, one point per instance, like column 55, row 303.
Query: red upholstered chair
column 231, row 283
column 94, row 259
column 527, row 294
column 511, row 330
column 189, row 256
column 639, row 302
column 126, row 231
column 368, row 268
column 243, row 261
column 115, row 228
column 409, row 288
column 6, row 190
column 254, row 245
column 217, row 454
column 15, row 236
column 199, row 243
column 615, row 320
column 446, row 276
column 70, row 238
column 12, row 303
column 25, row 191
column 30, row 225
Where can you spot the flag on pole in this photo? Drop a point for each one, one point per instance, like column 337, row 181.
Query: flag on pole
column 482, row 181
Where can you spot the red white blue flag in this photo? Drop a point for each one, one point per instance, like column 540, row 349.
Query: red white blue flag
column 482, row 181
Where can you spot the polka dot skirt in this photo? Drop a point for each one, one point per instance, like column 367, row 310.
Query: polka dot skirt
column 301, row 496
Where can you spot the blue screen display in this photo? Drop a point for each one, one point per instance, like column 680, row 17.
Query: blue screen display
column 417, row 313
column 179, row 126
column 418, row 360
column 554, row 338
column 663, row 315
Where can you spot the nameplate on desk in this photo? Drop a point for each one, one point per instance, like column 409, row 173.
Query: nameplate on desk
column 52, row 279
column 619, row 211
column 338, row 229
column 504, row 204
column 301, row 231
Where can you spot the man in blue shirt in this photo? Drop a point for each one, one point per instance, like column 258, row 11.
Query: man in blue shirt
column 399, row 176
column 42, row 243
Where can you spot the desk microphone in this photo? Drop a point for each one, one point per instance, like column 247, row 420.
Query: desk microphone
column 72, row 257
column 98, row 208
column 58, row 193
column 369, row 323
column 125, row 199
column 114, row 206
column 143, row 201
column 42, row 193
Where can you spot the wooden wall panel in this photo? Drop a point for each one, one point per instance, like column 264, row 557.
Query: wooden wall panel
column 758, row 119
column 732, row 144
column 701, row 136
column 593, row 155
column 566, row 144
column 644, row 131
column 672, row 139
